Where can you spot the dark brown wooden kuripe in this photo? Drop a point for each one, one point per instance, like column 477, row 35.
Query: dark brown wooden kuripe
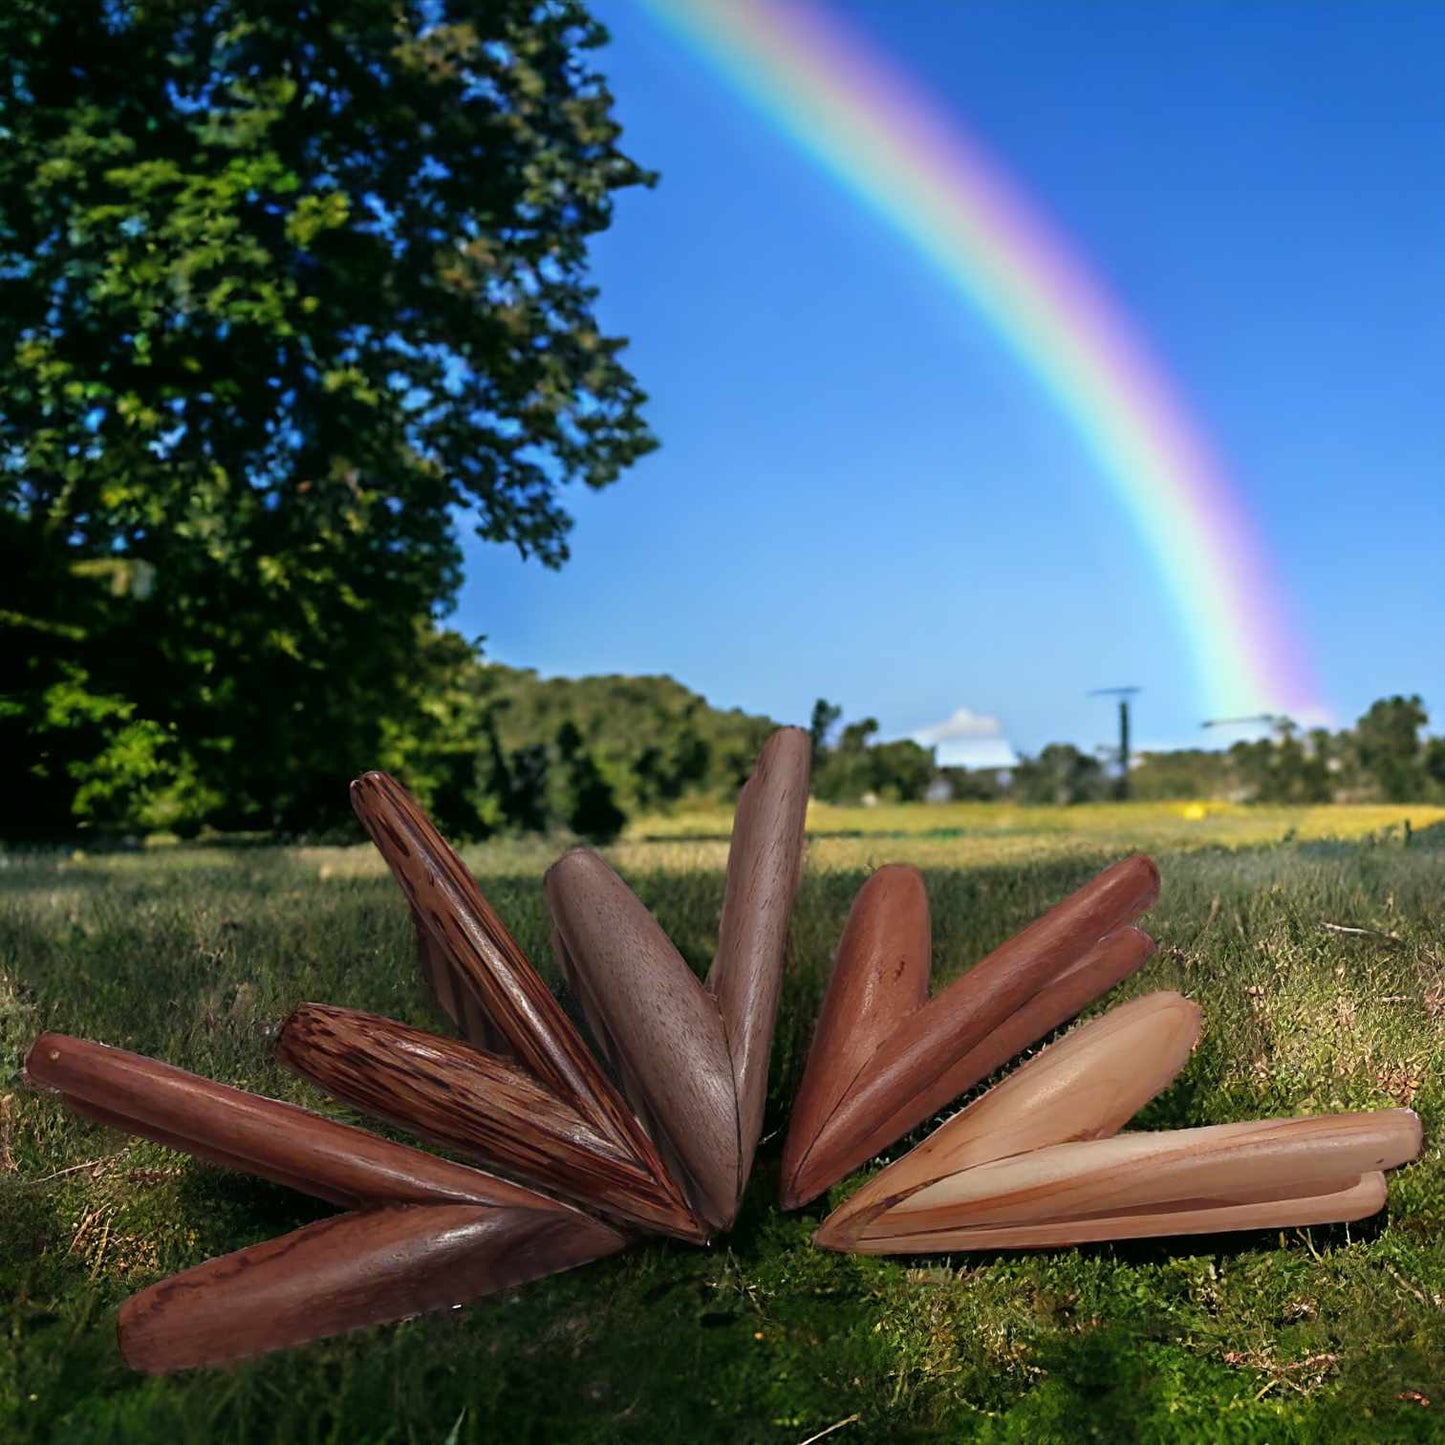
column 478, row 1104
column 765, row 859
column 480, row 974
column 657, row 1023
column 487, row 984
column 340, row 1274
column 238, row 1130
column 434, row 1232
column 884, row 1057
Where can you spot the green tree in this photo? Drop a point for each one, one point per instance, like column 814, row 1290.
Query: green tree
column 1185, row 773
column 858, row 765
column 1434, row 763
column 1282, row 769
column 824, row 719
column 284, row 290
column 1387, row 741
column 1060, row 774
column 902, row 770
column 586, row 803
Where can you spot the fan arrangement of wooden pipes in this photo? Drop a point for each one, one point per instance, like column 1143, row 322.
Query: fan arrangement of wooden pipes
column 1037, row 1161
column 668, row 1148
column 590, row 1164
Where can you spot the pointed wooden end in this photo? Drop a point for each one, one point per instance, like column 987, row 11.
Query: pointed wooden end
column 370, row 793
column 1411, row 1135
column 1142, row 874
column 789, row 748
column 832, row 1234
column 815, row 1172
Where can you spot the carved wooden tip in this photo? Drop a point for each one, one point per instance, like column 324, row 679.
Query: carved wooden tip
column 42, row 1055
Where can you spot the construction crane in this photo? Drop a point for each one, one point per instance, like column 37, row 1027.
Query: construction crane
column 1123, row 694
column 1277, row 722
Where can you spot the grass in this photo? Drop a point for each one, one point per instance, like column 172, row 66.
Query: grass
column 194, row 955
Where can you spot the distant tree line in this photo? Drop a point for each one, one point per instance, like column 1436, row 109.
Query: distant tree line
column 503, row 750
column 1385, row 757
column 854, row 766
column 492, row 749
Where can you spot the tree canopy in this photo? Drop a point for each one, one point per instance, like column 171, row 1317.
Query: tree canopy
column 286, row 290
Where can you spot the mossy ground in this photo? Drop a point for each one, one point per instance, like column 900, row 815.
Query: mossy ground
column 195, row 955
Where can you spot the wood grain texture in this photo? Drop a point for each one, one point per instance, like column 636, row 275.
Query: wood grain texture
column 1230, row 1163
column 765, row 859
column 484, row 981
column 1358, row 1200
column 1088, row 1085
column 1046, row 965
column 657, row 1023
column 482, row 1105
column 879, row 981
column 459, row 1004
column 1113, row 959
column 1242, row 1163
column 238, row 1130
column 479, row 973
column 1263, row 1162
column 355, row 1270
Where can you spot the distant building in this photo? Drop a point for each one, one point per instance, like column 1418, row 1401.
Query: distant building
column 977, row 754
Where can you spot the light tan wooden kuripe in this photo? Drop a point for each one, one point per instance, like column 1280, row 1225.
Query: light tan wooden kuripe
column 885, row 1056
column 1036, row 1161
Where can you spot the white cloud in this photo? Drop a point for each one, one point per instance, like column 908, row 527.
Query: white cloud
column 968, row 739
column 965, row 723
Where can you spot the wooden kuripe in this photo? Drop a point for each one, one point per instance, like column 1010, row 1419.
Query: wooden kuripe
column 343, row 1273
column 1037, row 1161
column 693, row 1058
column 425, row 1233
column 524, row 1092
column 484, row 981
column 885, row 1056
column 238, row 1130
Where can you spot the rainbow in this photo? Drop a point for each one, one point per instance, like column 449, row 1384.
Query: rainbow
column 867, row 125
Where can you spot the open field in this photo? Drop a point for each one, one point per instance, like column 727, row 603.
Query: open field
column 196, row 954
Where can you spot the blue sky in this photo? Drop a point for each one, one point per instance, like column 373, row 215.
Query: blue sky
column 860, row 494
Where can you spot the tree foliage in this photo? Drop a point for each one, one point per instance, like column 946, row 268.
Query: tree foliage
column 1384, row 757
column 858, row 767
column 285, row 288
column 1387, row 739
column 1061, row 774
